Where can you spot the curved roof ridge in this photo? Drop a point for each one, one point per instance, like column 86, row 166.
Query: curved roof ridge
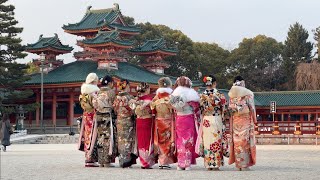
column 288, row 92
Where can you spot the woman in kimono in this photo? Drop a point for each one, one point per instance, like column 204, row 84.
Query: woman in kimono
column 105, row 124
column 6, row 132
column 164, row 134
column 88, row 131
column 185, row 101
column 125, row 126
column 144, row 124
column 242, row 148
column 212, row 142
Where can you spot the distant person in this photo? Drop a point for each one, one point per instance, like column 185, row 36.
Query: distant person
column 88, row 132
column 212, row 142
column 125, row 126
column 186, row 102
column 106, row 127
column 164, row 133
column 242, row 148
column 6, row 131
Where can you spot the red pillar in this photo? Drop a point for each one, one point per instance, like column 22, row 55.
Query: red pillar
column 54, row 109
column 71, row 108
column 38, row 110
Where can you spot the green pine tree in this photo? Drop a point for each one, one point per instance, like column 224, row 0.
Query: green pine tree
column 12, row 74
column 297, row 49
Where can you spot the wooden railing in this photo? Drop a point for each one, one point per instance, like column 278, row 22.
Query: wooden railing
column 289, row 127
column 286, row 127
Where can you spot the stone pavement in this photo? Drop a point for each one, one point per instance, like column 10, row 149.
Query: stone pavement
column 63, row 161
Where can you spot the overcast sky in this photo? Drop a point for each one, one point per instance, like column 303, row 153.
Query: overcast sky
column 225, row 22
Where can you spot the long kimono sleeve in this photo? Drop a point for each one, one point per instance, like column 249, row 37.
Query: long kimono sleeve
column 95, row 101
column 252, row 108
column 153, row 105
column 116, row 105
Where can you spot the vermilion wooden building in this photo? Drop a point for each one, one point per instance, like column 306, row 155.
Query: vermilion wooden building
column 106, row 45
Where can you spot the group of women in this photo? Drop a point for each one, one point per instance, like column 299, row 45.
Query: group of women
column 174, row 125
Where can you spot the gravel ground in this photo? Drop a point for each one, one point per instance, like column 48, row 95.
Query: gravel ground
column 62, row 161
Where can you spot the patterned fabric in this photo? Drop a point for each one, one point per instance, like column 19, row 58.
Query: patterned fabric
column 104, row 100
column 88, row 139
column 186, row 139
column 143, row 109
column 144, row 123
column 125, row 130
column 145, row 142
column 164, row 129
column 242, row 147
column 215, row 142
column 212, row 142
column 185, row 102
column 106, row 127
column 88, row 132
column 213, row 103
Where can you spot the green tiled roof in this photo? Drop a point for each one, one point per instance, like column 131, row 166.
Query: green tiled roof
column 48, row 42
column 154, row 45
column 96, row 19
column 106, row 37
column 77, row 72
column 288, row 98
column 283, row 98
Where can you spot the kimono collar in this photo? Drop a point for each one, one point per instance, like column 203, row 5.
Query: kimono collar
column 146, row 97
column 163, row 95
column 105, row 88
column 211, row 91
column 123, row 93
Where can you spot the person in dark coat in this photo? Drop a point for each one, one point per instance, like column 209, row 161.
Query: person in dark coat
column 5, row 132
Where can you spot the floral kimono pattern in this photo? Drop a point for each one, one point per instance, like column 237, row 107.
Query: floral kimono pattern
column 125, row 130
column 242, row 148
column 186, row 103
column 106, row 128
column 87, row 138
column 212, row 142
column 144, row 124
column 164, row 133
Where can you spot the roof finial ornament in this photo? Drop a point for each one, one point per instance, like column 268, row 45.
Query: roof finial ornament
column 55, row 35
column 41, row 35
column 88, row 8
column 116, row 6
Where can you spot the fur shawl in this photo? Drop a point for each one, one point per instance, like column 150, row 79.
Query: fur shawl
column 239, row 91
column 89, row 88
column 164, row 90
column 189, row 93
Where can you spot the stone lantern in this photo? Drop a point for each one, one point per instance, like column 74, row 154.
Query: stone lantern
column 20, row 117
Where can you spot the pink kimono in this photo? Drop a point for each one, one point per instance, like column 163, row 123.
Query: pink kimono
column 186, row 104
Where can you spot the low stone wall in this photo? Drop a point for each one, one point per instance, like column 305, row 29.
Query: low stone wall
column 268, row 139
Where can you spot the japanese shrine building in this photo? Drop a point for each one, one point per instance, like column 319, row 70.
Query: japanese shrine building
column 106, row 45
